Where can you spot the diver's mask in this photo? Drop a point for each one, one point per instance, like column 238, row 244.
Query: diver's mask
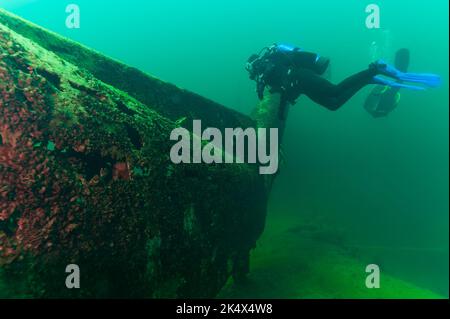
column 252, row 66
column 256, row 63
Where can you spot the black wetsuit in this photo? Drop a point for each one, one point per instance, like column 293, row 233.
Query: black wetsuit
column 332, row 96
column 294, row 73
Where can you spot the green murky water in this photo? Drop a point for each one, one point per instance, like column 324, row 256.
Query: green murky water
column 352, row 190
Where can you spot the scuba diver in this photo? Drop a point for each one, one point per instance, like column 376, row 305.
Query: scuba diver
column 291, row 72
column 286, row 72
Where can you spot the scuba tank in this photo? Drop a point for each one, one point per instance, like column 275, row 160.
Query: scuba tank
column 304, row 59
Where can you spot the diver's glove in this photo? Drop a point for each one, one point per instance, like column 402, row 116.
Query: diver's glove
column 383, row 68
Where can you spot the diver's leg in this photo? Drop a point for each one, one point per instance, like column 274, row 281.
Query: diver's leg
column 330, row 95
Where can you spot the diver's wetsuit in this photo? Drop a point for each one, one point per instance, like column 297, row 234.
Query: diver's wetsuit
column 332, row 96
column 292, row 72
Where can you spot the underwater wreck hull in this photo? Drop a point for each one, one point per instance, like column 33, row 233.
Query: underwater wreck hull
column 86, row 179
column 165, row 98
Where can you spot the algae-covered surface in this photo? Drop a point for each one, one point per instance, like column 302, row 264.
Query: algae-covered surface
column 165, row 98
column 86, row 179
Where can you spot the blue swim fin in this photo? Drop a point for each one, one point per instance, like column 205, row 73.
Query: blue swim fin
column 430, row 80
column 427, row 79
column 382, row 81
